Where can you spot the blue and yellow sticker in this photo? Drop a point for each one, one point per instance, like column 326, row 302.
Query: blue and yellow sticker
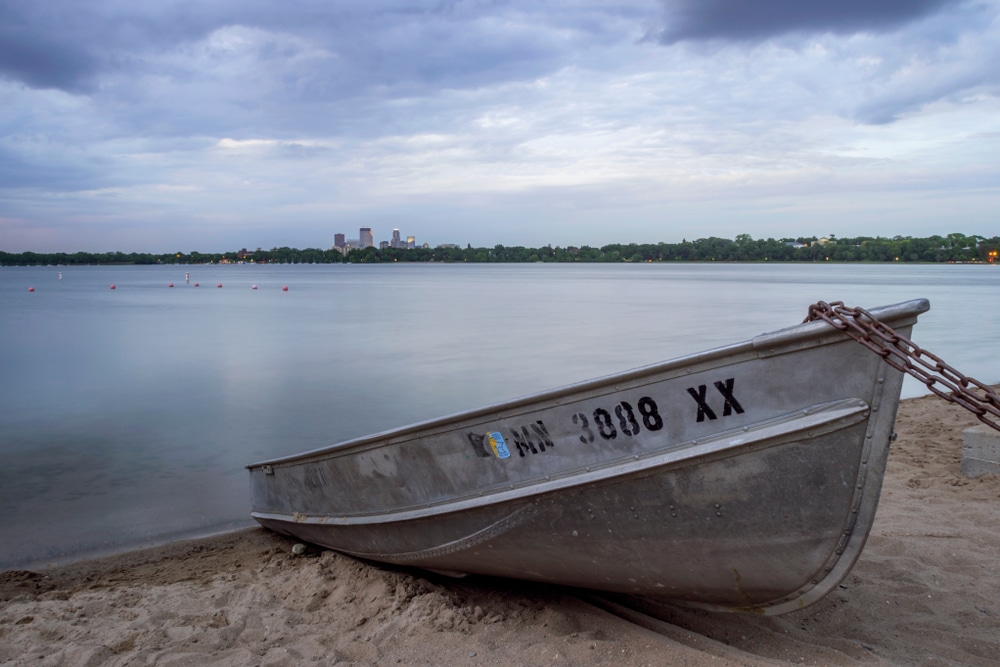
column 497, row 444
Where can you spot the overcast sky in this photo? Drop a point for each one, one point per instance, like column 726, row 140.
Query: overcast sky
column 212, row 125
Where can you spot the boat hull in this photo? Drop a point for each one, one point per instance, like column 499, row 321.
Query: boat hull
column 743, row 478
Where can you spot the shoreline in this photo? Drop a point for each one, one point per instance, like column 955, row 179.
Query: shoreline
column 924, row 591
column 104, row 553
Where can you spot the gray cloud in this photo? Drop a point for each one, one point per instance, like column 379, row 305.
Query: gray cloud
column 20, row 172
column 483, row 121
column 34, row 53
column 66, row 44
column 743, row 20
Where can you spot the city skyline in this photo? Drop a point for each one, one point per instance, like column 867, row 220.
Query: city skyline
column 153, row 127
column 366, row 239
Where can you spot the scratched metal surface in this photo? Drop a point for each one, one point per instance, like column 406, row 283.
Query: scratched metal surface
column 743, row 477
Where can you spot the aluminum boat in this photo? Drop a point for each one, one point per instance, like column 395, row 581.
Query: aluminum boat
column 743, row 478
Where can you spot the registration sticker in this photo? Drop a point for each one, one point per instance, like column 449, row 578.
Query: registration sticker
column 497, row 444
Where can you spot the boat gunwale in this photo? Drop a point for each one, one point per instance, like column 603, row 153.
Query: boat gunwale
column 816, row 420
column 804, row 335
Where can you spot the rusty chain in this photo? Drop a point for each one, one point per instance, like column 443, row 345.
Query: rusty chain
column 904, row 355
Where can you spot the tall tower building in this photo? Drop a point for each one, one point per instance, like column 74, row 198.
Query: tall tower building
column 338, row 241
column 411, row 242
column 395, row 239
column 366, row 240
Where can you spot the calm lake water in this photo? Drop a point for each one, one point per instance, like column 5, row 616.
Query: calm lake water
column 128, row 415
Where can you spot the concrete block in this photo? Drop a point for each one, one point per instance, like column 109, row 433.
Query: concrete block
column 980, row 451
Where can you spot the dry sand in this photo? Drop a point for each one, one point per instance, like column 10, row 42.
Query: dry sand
column 926, row 591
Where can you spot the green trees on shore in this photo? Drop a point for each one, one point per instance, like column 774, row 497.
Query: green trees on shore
column 744, row 248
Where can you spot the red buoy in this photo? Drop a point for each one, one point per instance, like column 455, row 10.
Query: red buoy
column 219, row 285
column 196, row 284
column 31, row 289
column 254, row 287
column 112, row 287
column 285, row 288
column 170, row 285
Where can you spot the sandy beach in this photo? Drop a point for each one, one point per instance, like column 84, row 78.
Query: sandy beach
column 926, row 591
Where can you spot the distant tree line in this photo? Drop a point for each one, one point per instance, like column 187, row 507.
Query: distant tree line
column 744, row 248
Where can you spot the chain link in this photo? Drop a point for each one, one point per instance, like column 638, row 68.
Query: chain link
column 904, row 355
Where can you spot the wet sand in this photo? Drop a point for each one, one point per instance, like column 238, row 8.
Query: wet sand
column 926, row 591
